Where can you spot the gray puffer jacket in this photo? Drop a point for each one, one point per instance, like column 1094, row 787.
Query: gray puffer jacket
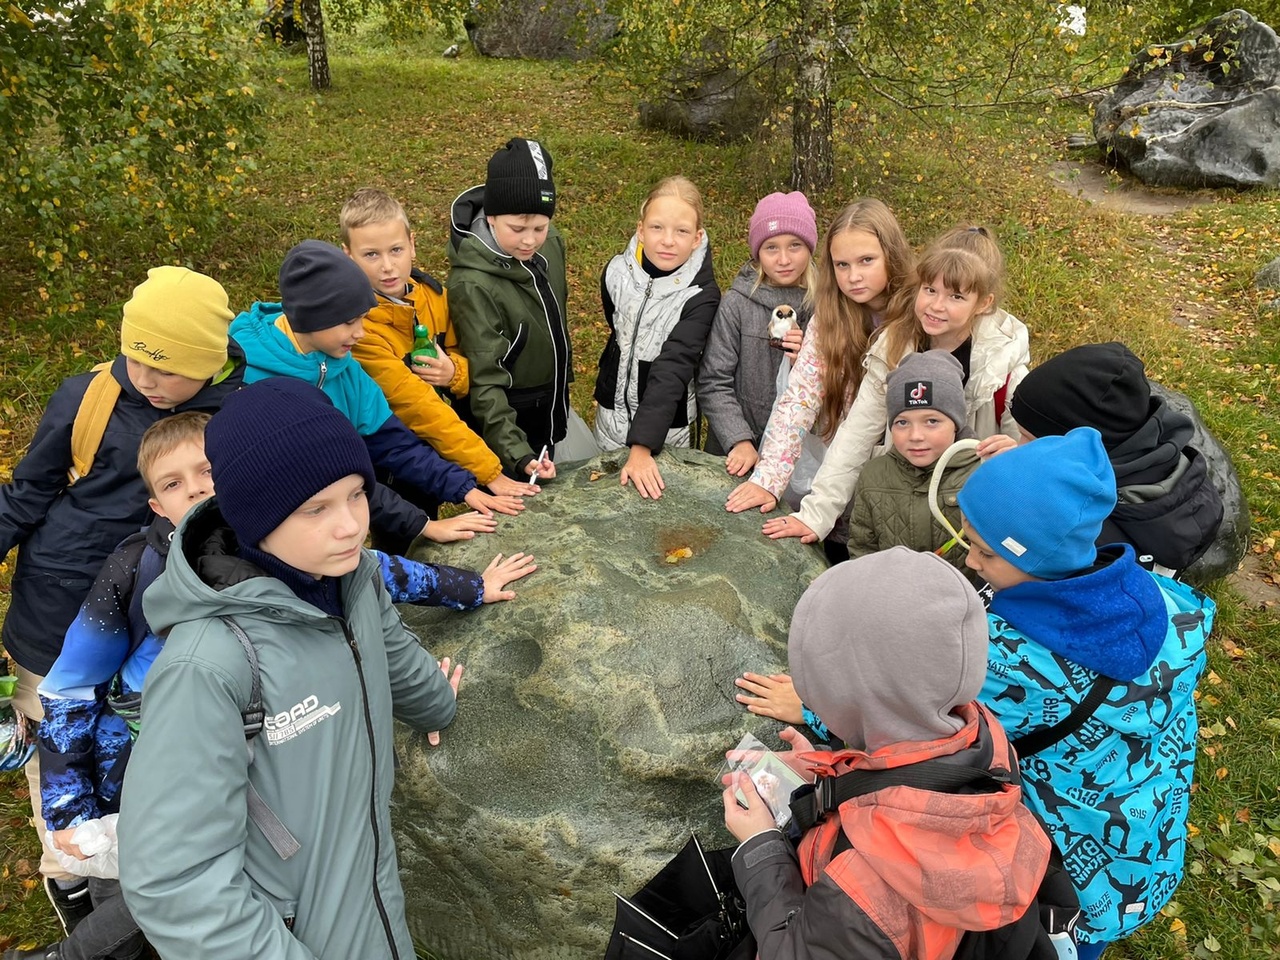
column 199, row 877
column 737, row 384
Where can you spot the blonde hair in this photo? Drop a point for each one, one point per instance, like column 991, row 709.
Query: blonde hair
column 167, row 435
column 846, row 326
column 967, row 259
column 370, row 205
column 808, row 280
column 679, row 187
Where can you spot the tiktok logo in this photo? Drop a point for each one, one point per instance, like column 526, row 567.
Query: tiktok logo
column 921, row 395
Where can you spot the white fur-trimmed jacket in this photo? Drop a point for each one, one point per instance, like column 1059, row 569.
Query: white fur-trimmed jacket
column 1000, row 358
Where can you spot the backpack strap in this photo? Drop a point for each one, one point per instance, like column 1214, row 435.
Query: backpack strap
column 91, row 420
column 1032, row 743
column 829, row 792
column 284, row 843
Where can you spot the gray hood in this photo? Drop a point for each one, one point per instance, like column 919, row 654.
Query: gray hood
column 883, row 648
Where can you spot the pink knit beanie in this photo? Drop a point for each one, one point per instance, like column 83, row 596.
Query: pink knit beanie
column 780, row 213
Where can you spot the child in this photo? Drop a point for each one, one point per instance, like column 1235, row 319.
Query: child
column 507, row 296
column 866, row 266
column 1168, row 507
column 925, row 401
column 324, row 299
column 958, row 281
column 664, row 281
column 1070, row 623
column 278, row 553
column 174, row 356
column 92, row 693
column 737, row 384
column 376, row 235
column 898, row 871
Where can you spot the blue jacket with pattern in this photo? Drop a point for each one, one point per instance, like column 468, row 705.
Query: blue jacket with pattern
column 83, row 745
column 1114, row 794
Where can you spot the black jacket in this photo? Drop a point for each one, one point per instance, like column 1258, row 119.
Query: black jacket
column 1168, row 506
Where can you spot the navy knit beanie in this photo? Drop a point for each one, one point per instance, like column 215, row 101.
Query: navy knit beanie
column 273, row 446
column 1041, row 506
column 519, row 180
column 321, row 287
column 1099, row 385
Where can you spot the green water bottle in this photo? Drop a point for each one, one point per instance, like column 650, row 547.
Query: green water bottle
column 423, row 345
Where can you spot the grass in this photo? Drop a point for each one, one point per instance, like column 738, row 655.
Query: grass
column 423, row 127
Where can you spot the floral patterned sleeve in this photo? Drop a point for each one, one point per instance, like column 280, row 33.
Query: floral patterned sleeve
column 793, row 416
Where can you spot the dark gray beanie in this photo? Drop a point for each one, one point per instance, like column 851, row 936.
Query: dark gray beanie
column 883, row 648
column 929, row 380
column 321, row 287
column 519, row 180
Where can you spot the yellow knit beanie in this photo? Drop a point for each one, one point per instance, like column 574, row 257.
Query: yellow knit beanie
column 176, row 321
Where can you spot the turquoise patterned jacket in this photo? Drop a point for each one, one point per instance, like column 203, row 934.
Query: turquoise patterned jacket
column 1113, row 795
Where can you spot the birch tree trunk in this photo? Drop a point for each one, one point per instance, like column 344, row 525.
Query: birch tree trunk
column 812, row 167
column 317, row 52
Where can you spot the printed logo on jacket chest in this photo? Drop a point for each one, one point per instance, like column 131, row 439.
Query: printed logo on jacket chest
column 297, row 720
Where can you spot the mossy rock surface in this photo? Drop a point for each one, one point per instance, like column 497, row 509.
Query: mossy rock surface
column 595, row 710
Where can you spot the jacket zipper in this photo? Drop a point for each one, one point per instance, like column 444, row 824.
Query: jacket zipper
column 551, row 334
column 631, row 353
column 324, row 369
column 373, row 787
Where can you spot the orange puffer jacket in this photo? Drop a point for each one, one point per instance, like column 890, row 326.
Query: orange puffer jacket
column 388, row 338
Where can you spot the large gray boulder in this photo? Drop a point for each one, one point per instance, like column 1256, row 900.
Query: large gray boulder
column 546, row 30
column 1222, row 558
column 595, row 710
column 1203, row 111
column 707, row 98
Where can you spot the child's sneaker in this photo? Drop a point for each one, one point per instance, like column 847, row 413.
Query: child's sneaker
column 71, row 906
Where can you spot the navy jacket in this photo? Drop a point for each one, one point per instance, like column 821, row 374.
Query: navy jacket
column 64, row 533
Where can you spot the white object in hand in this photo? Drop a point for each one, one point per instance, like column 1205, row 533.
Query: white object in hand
column 783, row 319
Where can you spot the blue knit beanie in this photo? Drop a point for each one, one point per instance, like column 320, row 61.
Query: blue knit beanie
column 273, row 446
column 1041, row 506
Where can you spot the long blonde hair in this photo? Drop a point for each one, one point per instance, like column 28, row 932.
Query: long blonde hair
column 967, row 259
column 846, row 326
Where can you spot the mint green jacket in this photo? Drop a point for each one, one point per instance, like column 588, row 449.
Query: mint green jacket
column 199, row 876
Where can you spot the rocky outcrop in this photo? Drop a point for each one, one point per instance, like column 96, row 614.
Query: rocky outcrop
column 1203, row 111
column 707, row 98
column 595, row 710
column 548, row 30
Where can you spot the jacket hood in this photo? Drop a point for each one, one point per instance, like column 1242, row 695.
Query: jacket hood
column 204, row 578
column 768, row 296
column 1152, row 452
column 471, row 241
column 271, row 353
column 1112, row 619
column 849, row 641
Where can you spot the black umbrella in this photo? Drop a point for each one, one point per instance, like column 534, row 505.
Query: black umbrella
column 691, row 910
